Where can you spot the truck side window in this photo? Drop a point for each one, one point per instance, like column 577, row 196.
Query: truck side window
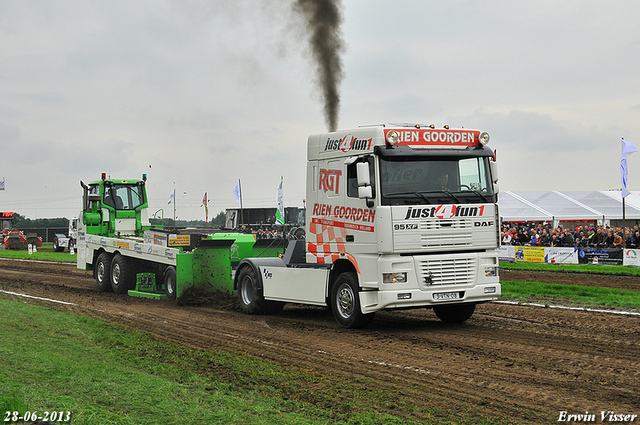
column 352, row 177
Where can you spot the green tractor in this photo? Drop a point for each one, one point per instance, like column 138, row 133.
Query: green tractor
column 128, row 255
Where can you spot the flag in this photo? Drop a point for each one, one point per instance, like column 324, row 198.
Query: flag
column 172, row 197
column 236, row 191
column 627, row 149
column 279, row 205
column 206, row 208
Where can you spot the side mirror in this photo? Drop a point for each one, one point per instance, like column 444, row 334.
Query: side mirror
column 496, row 189
column 494, row 171
column 365, row 192
column 362, row 170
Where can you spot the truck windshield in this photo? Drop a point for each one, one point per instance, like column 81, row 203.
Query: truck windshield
column 442, row 180
column 123, row 196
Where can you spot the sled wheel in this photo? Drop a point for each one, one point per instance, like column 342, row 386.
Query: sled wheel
column 123, row 276
column 170, row 283
column 102, row 272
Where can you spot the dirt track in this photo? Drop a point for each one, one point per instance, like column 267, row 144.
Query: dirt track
column 523, row 364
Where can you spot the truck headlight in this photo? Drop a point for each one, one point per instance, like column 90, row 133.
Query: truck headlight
column 393, row 137
column 490, row 271
column 394, row 277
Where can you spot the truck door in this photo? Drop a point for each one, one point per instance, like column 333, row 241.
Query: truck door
column 359, row 213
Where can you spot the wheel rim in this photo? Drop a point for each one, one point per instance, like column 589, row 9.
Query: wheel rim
column 345, row 301
column 247, row 290
column 171, row 285
column 100, row 274
column 115, row 274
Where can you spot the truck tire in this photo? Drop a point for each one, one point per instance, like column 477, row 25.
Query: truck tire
column 56, row 245
column 249, row 294
column 102, row 272
column 123, row 275
column 345, row 302
column 455, row 313
column 170, row 283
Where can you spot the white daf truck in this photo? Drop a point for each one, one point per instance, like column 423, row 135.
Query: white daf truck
column 398, row 216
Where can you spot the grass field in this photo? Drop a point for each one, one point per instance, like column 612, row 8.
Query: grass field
column 103, row 374
column 43, row 254
column 571, row 268
column 571, row 295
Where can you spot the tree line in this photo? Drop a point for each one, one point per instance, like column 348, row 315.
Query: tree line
column 21, row 222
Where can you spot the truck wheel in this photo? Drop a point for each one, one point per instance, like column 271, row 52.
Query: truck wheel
column 123, row 276
column 455, row 313
column 56, row 245
column 345, row 302
column 249, row 295
column 102, row 272
column 170, row 286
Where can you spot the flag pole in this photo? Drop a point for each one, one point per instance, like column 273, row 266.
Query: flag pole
column 280, row 213
column 627, row 149
column 241, row 210
column 624, row 211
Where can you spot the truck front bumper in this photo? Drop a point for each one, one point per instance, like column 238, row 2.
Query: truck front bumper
column 433, row 280
column 372, row 301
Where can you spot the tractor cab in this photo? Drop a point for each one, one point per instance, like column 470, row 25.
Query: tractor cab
column 115, row 207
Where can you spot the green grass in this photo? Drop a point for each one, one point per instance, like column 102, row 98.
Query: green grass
column 570, row 295
column 41, row 254
column 571, row 268
column 105, row 374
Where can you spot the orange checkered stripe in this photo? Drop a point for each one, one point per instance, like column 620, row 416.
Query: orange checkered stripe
column 329, row 242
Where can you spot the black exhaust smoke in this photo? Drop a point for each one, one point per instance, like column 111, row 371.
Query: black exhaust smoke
column 323, row 21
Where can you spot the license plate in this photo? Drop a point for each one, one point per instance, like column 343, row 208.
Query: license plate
column 446, row 296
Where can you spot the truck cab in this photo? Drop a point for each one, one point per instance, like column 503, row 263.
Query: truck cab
column 115, row 207
column 398, row 216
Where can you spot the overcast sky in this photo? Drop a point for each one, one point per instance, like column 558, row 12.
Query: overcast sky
column 198, row 94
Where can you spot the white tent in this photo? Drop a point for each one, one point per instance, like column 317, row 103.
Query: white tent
column 556, row 206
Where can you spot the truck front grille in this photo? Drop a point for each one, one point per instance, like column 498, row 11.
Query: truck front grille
column 454, row 271
column 446, row 233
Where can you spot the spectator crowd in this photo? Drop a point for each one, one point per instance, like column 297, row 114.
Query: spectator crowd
column 580, row 236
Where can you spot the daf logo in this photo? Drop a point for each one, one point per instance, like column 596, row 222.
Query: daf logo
column 482, row 223
column 429, row 279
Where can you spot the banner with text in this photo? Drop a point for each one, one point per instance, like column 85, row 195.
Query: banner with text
column 558, row 255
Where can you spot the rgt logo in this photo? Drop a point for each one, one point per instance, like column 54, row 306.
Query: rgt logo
column 330, row 180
